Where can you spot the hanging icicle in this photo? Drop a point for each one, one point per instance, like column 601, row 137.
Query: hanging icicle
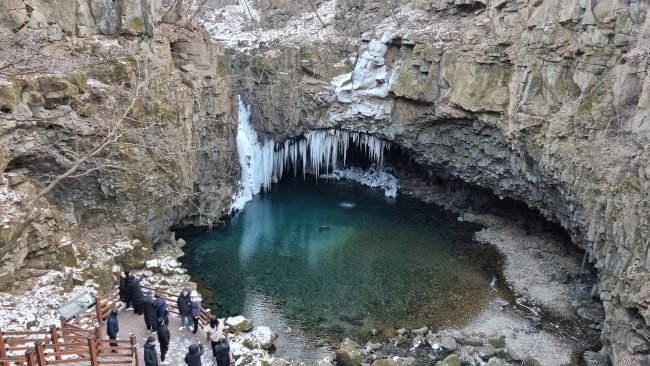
column 320, row 150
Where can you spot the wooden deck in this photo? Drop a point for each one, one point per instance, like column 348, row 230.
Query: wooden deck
column 130, row 323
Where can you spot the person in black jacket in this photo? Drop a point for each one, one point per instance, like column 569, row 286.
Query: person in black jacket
column 135, row 292
column 193, row 357
column 124, row 291
column 150, row 315
column 161, row 306
column 163, row 338
column 112, row 327
column 150, row 355
column 222, row 352
column 184, row 309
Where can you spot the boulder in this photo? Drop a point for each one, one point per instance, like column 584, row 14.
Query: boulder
column 349, row 353
column 420, row 331
column 592, row 358
column 408, row 361
column 5, row 157
column 486, row 352
column 385, row 362
column 496, row 361
column 239, row 324
column 529, row 361
column 451, row 360
column 497, row 342
column 448, row 343
column 260, row 337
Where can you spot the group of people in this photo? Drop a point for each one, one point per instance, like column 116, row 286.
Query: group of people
column 155, row 311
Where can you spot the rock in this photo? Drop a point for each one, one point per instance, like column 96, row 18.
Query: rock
column 496, row 361
column 373, row 346
column 385, row 362
column 239, row 324
column 448, row 343
column 349, row 353
column 408, row 361
column 486, row 352
column 353, row 317
column 278, row 362
column 260, row 337
column 512, row 355
column 401, row 331
column 637, row 344
column 471, row 341
column 5, row 157
column 420, row 331
column 497, row 342
column 529, row 361
column 594, row 359
column 324, row 363
column 451, row 360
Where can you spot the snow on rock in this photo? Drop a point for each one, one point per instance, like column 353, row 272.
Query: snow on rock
column 371, row 178
column 11, row 203
column 260, row 337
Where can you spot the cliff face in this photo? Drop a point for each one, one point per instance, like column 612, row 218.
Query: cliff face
column 542, row 101
column 163, row 95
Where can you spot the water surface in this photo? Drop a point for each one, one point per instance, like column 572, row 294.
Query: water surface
column 319, row 262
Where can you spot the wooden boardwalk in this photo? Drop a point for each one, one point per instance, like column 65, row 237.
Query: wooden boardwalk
column 130, row 323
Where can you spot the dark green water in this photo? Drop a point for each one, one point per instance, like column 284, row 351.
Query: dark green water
column 302, row 257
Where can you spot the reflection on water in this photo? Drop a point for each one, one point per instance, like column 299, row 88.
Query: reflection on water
column 317, row 263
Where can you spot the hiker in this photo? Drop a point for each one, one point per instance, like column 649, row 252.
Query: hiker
column 163, row 338
column 162, row 310
column 195, row 309
column 124, row 290
column 150, row 355
column 112, row 327
column 135, row 292
column 222, row 353
column 150, row 314
column 216, row 332
column 184, row 308
column 193, row 356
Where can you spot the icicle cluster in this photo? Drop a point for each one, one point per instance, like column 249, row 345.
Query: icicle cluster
column 320, row 150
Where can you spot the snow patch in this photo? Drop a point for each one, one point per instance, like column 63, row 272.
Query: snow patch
column 373, row 178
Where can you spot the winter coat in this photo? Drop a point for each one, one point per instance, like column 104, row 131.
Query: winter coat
column 112, row 327
column 222, row 353
column 195, row 307
column 163, row 336
column 161, row 308
column 183, row 302
column 150, row 314
column 193, row 357
column 133, row 286
column 124, row 291
column 150, row 355
column 216, row 333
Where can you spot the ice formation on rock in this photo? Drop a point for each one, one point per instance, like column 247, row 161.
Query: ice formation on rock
column 374, row 178
column 263, row 164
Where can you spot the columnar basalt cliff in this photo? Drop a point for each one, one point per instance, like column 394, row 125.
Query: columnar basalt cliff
column 542, row 101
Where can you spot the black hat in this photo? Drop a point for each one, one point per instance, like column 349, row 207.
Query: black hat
column 151, row 339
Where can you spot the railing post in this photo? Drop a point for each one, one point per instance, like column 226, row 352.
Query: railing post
column 40, row 354
column 63, row 321
column 92, row 350
column 54, row 334
column 30, row 357
column 98, row 310
column 3, row 350
column 98, row 332
column 134, row 350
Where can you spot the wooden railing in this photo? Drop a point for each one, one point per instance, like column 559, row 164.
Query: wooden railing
column 67, row 345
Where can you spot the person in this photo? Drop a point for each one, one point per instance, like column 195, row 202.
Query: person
column 163, row 339
column 184, row 309
column 222, row 353
column 150, row 314
column 124, row 291
column 150, row 355
column 216, row 332
column 195, row 309
column 135, row 293
column 162, row 310
column 112, row 327
column 193, row 356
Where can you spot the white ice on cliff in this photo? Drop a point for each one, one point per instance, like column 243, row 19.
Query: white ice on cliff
column 263, row 164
